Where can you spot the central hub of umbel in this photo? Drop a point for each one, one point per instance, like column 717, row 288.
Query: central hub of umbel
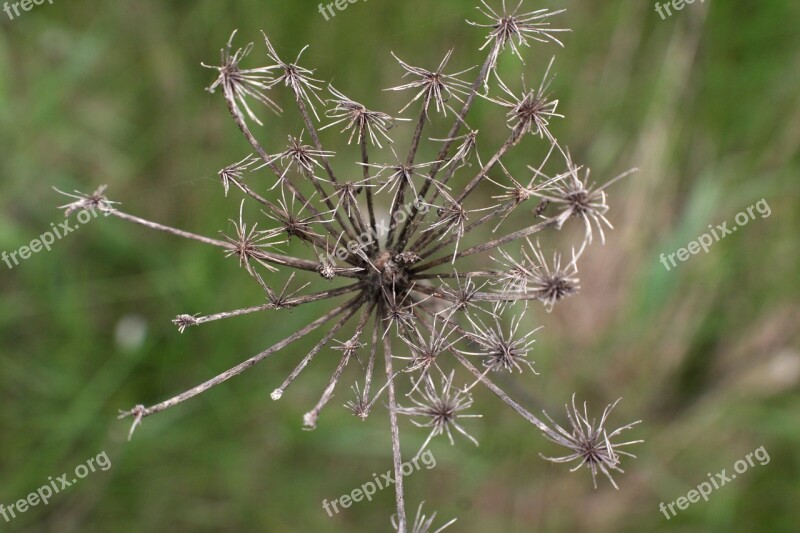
column 390, row 274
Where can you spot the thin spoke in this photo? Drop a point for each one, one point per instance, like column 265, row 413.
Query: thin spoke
column 310, row 418
column 412, row 223
column 288, row 303
column 355, row 304
column 140, row 411
column 396, row 455
column 489, row 245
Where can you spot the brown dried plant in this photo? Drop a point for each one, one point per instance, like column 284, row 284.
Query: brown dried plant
column 385, row 268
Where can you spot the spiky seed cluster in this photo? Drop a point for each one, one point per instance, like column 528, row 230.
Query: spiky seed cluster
column 590, row 442
column 440, row 409
column 532, row 110
column 295, row 77
column 82, row 202
column 499, row 348
column 239, row 84
column 576, row 197
column 395, row 261
column 426, row 348
column 361, row 405
column 515, row 29
column 300, row 157
column 236, row 172
column 531, row 274
column 460, row 294
column 250, row 243
column 358, row 119
column 184, row 321
column 433, row 85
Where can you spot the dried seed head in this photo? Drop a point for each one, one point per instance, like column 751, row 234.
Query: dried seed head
column 250, row 243
column 452, row 219
column 235, row 172
column 398, row 311
column 426, row 348
column 399, row 173
column 589, row 442
column 292, row 75
column 516, row 29
column 87, row 202
column 462, row 296
column 517, row 193
column 346, row 196
column 440, row 410
column 326, row 268
column 469, row 141
column 434, row 85
column 360, row 407
column 301, row 157
column 533, row 275
column 579, row 199
column 501, row 349
column 184, row 321
column 239, row 84
column 554, row 284
column 295, row 223
column 348, row 347
column 531, row 111
column 282, row 300
column 394, row 281
column 358, row 119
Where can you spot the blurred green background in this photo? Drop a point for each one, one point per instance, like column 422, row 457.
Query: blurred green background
column 705, row 103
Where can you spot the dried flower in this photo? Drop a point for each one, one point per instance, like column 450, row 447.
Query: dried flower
column 184, row 321
column 292, row 75
column 578, row 199
column 250, row 243
column 359, row 120
column 532, row 110
column 499, row 349
column 531, row 274
column 295, row 223
column 385, row 279
column 300, row 157
column 440, row 410
column 361, row 405
column 590, row 443
column 426, row 348
column 462, row 297
column 515, row 29
column 238, row 84
column 83, row 202
column 400, row 175
column 464, row 150
column 235, row 172
column 434, row 85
